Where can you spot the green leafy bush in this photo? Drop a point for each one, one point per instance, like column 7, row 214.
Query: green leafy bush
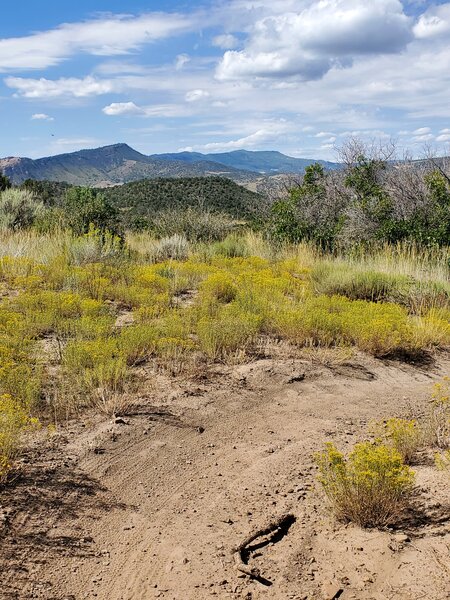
column 18, row 209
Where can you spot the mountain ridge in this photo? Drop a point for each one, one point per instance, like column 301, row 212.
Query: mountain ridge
column 120, row 163
column 261, row 161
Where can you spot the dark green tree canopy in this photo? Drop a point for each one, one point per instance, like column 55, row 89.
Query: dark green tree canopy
column 86, row 207
column 5, row 183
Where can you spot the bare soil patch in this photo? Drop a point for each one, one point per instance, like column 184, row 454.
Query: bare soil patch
column 156, row 504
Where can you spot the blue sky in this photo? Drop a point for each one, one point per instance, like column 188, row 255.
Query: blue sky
column 297, row 76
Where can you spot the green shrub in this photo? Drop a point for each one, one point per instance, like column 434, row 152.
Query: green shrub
column 194, row 224
column 371, row 487
column 137, row 342
column 231, row 247
column 93, row 365
column 5, row 182
column 86, row 209
column 18, row 209
column 95, row 246
column 175, row 247
column 374, row 286
column 229, row 330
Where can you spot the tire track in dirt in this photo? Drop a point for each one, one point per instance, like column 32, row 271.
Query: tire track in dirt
column 184, row 499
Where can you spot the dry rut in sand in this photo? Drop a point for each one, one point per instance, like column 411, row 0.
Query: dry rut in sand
column 154, row 506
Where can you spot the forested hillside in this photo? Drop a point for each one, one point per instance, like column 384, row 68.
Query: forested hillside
column 141, row 199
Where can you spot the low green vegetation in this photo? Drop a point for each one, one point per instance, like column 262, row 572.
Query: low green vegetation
column 198, row 287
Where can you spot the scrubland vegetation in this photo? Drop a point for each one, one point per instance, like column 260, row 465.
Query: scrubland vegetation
column 198, row 288
column 374, row 484
column 191, row 303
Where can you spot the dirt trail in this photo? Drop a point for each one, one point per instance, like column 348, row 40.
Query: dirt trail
column 151, row 508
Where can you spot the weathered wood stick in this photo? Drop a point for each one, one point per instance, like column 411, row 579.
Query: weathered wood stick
column 238, row 551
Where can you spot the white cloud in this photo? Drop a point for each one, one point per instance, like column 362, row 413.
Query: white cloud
column 323, row 134
column 425, row 137
column 48, row 88
column 227, row 41
column 60, row 145
column 270, row 132
column 307, row 44
column 444, row 137
column 123, row 108
column 181, row 60
column 75, row 141
column 41, row 117
column 434, row 23
column 422, row 131
column 196, row 95
column 102, row 37
column 117, row 109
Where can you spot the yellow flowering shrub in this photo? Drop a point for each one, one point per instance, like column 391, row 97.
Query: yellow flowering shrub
column 402, row 434
column 442, row 461
column 137, row 342
column 219, row 287
column 379, row 329
column 433, row 329
column 14, row 422
column 92, row 364
column 371, row 487
column 12, row 268
column 148, row 278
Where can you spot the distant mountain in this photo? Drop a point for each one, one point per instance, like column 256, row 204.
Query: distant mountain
column 111, row 165
column 117, row 164
column 263, row 162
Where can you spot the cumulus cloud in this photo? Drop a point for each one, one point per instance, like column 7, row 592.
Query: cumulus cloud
column 102, row 37
column 422, row 131
column 270, row 132
column 434, row 23
column 54, row 88
column 123, row 108
column 309, row 43
column 41, row 117
column 227, row 41
column 423, row 137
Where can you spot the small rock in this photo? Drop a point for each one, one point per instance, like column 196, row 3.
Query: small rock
column 331, row 590
column 402, row 538
column 295, row 378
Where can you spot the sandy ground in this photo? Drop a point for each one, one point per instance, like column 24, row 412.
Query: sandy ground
column 152, row 507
